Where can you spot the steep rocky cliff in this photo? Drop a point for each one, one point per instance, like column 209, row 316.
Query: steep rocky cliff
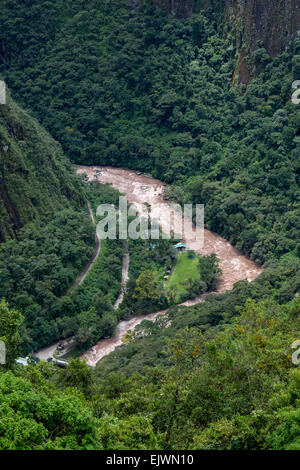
column 271, row 24
column 274, row 22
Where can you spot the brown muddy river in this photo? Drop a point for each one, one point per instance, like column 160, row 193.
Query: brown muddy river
column 141, row 189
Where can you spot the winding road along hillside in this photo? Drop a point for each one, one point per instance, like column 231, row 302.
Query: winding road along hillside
column 141, row 189
column 69, row 343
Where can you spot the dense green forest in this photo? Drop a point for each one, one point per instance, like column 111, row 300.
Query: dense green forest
column 138, row 89
column 231, row 387
column 125, row 84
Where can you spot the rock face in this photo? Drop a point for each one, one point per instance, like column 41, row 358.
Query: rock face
column 274, row 22
column 271, row 24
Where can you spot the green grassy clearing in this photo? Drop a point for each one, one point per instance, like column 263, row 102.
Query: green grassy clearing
column 185, row 268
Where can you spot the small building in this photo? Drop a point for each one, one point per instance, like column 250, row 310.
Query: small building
column 180, row 247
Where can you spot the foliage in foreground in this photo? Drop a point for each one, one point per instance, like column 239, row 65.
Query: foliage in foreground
column 232, row 389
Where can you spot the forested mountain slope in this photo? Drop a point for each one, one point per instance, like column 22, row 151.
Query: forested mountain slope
column 272, row 24
column 45, row 230
column 36, row 179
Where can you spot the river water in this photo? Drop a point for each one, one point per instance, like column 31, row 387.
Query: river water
column 141, row 189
